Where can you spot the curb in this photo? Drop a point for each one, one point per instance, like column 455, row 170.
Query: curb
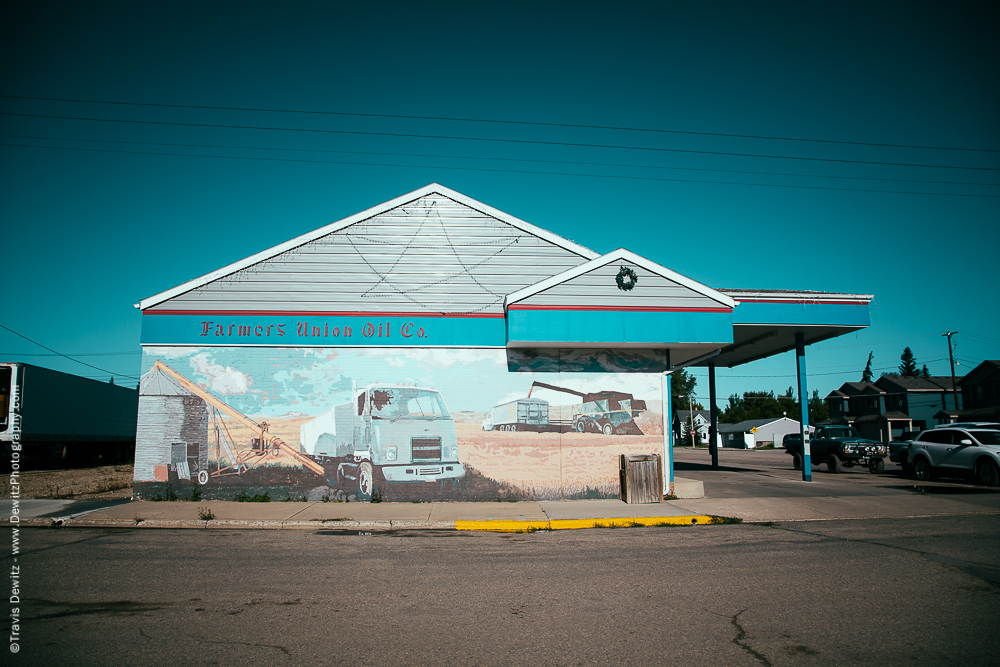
column 240, row 524
column 576, row 524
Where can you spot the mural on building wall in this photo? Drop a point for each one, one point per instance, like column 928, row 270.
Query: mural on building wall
column 398, row 423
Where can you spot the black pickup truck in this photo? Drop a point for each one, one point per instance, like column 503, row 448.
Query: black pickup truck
column 838, row 447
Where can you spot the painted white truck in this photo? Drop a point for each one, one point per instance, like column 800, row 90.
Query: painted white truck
column 389, row 432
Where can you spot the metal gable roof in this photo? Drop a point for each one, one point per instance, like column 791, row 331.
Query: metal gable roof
column 616, row 256
column 432, row 189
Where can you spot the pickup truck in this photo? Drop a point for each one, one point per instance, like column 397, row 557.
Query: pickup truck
column 898, row 453
column 838, row 447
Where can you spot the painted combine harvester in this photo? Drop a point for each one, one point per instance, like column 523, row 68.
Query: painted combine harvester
column 607, row 412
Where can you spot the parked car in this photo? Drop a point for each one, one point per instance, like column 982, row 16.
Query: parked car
column 838, row 447
column 961, row 451
column 898, row 450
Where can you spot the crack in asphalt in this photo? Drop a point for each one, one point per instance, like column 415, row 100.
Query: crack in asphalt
column 210, row 641
column 741, row 635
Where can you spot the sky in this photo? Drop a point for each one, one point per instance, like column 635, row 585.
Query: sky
column 844, row 147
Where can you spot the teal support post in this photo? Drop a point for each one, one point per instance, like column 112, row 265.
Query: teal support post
column 800, row 358
column 668, row 433
column 713, row 427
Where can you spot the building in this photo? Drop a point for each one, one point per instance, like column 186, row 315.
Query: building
column 755, row 433
column 917, row 398
column 980, row 396
column 891, row 408
column 366, row 358
column 682, row 426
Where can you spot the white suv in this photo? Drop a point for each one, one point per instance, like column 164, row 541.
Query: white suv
column 957, row 451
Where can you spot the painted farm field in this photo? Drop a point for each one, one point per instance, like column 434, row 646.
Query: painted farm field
column 540, row 466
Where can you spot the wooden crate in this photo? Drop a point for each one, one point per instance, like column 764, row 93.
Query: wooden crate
column 641, row 477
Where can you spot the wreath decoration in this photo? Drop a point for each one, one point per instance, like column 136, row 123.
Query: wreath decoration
column 626, row 279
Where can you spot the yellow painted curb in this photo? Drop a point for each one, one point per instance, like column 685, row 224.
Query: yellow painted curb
column 573, row 524
column 503, row 526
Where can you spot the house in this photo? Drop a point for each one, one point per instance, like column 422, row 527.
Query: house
column 891, row 407
column 980, row 395
column 753, row 433
column 915, row 398
column 682, row 426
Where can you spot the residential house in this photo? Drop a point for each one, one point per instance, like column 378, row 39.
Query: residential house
column 915, row 397
column 891, row 407
column 682, row 426
column 980, row 395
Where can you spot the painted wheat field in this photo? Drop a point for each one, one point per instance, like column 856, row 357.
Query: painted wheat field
column 544, row 466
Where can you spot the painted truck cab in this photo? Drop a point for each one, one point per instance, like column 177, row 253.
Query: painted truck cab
column 395, row 433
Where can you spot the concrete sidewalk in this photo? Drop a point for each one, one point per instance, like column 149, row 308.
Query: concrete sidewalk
column 752, row 486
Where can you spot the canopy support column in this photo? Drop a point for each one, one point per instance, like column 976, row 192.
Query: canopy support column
column 668, row 433
column 713, row 428
column 800, row 358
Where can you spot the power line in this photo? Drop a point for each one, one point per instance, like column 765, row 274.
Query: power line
column 492, row 140
column 504, row 171
column 103, row 370
column 495, row 159
column 881, row 342
column 505, row 122
column 982, row 340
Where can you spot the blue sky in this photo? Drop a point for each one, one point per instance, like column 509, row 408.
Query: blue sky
column 88, row 233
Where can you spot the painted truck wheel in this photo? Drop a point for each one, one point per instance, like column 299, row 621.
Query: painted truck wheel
column 608, row 429
column 203, row 477
column 366, row 481
column 581, row 426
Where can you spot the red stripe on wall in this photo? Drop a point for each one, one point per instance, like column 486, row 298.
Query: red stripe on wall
column 313, row 313
column 641, row 309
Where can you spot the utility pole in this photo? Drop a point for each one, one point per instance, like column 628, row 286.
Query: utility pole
column 951, row 357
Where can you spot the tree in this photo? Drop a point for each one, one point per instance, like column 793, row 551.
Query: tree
column 908, row 364
column 682, row 385
column 867, row 376
column 924, row 373
column 759, row 405
column 819, row 411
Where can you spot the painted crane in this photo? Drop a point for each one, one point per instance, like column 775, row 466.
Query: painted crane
column 264, row 447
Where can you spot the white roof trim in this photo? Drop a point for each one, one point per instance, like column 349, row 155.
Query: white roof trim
column 433, row 188
column 620, row 255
